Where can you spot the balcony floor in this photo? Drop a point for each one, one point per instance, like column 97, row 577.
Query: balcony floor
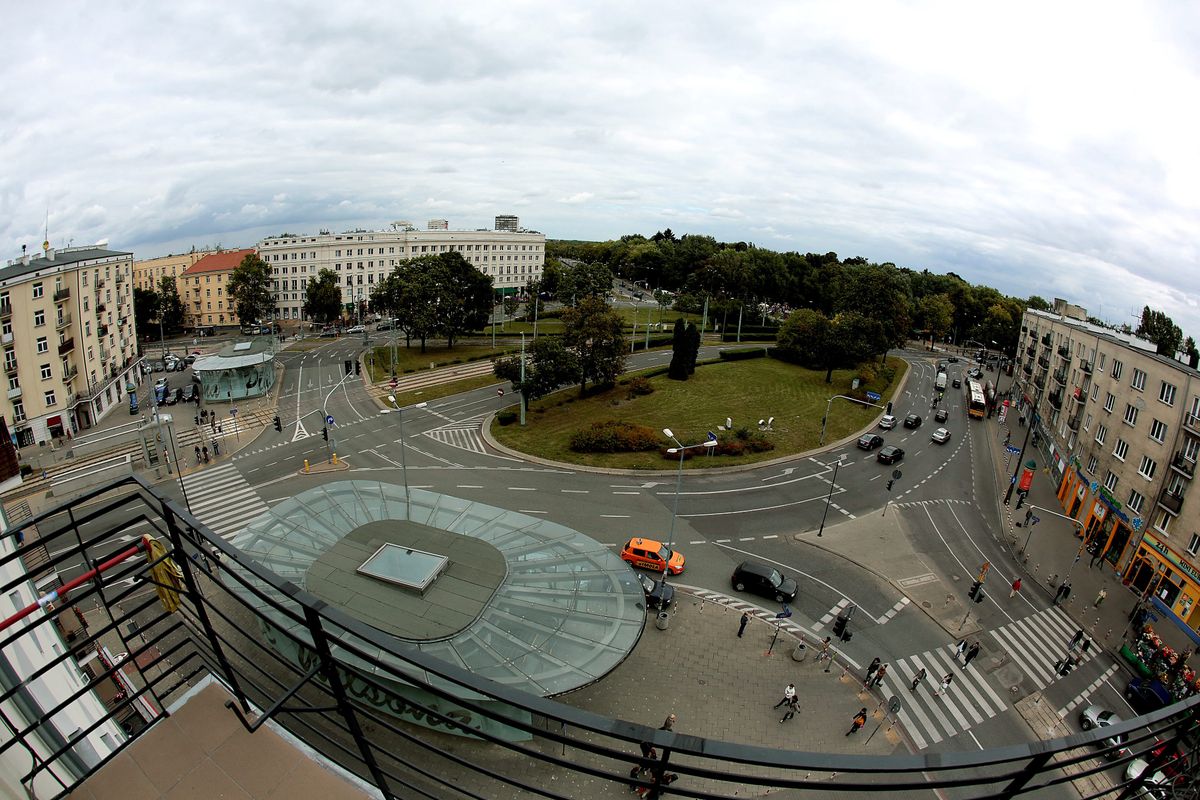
column 201, row 751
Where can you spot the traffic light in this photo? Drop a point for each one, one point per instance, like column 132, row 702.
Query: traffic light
column 839, row 626
column 278, row 423
column 976, row 591
column 889, row 484
column 325, row 434
column 197, row 419
column 357, row 367
column 889, row 407
column 347, row 366
column 979, row 595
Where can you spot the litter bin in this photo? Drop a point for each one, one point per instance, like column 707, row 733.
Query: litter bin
column 800, row 653
column 662, row 620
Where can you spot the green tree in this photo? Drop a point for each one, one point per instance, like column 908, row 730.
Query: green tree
column 250, row 288
column 416, row 299
column 596, row 334
column 678, row 370
column 323, row 297
column 145, row 309
column 804, row 338
column 462, row 296
column 548, row 365
column 170, row 307
column 583, row 280
column 1037, row 303
column 1157, row 327
column 935, row 312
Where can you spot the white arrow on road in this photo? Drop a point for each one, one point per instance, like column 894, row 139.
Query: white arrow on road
column 784, row 474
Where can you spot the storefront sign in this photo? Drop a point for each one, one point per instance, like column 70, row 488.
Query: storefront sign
column 1170, row 556
column 1113, row 503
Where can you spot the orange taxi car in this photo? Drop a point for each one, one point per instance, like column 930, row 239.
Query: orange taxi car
column 652, row 555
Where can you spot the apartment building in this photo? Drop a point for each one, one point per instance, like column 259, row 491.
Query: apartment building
column 362, row 259
column 1120, row 428
column 204, row 289
column 66, row 322
column 148, row 273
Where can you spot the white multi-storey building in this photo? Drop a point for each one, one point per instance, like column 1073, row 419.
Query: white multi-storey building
column 361, row 259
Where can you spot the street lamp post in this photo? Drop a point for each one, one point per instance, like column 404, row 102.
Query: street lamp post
column 829, row 404
column 403, row 461
column 1033, row 415
column 681, row 449
column 829, row 497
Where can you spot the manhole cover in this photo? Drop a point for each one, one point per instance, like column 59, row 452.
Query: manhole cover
column 926, row 603
column 1013, row 690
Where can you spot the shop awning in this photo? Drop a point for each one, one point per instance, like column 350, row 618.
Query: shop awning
column 55, row 420
column 1167, row 613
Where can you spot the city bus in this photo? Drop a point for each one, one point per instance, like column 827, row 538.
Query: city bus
column 976, row 402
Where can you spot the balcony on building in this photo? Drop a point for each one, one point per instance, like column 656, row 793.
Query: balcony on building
column 67, row 346
column 99, row 284
column 1183, row 465
column 120, row 278
column 62, row 294
column 63, row 322
column 1055, row 398
column 1079, row 395
column 1027, row 367
column 1064, row 351
column 5, row 309
column 1073, row 422
column 1040, row 380
column 10, row 367
column 1044, row 362
column 1060, row 376
column 104, row 354
column 1033, row 333
column 1031, row 350
column 6, row 338
column 1086, row 366
column 14, row 393
column 101, row 308
column 70, row 373
column 1171, row 501
column 1046, row 340
column 1191, row 424
column 102, row 330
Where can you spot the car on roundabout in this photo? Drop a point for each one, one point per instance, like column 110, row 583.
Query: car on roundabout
column 870, row 441
column 887, row 422
column 956, row 383
column 658, row 594
column 890, row 454
column 941, row 436
column 1101, row 718
column 942, row 415
column 765, row 580
column 652, row 555
column 913, row 421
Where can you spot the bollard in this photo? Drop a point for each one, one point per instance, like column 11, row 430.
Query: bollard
column 335, row 459
column 306, row 465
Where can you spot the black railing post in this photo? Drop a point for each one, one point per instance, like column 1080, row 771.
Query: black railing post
column 189, row 580
column 1032, row 767
column 329, row 669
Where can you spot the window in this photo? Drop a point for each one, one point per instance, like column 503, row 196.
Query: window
column 1101, row 433
column 46, row 372
column 1117, row 367
column 1121, row 450
column 1147, row 468
column 1158, row 430
column 1087, row 424
column 1136, row 501
column 1131, row 415
column 38, row 291
column 49, row 397
column 1166, row 394
column 1100, row 366
column 39, row 317
column 18, row 412
column 1109, row 401
column 1194, row 545
column 1162, row 521
column 1139, row 380
column 43, row 346
column 1111, row 480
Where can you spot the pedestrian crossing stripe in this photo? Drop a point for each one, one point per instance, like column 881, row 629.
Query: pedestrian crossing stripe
column 222, row 499
column 1036, row 642
column 829, row 615
column 928, row 717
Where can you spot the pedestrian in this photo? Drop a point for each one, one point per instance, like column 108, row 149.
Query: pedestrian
column 788, row 693
column 920, row 676
column 947, row 679
column 1064, row 591
column 197, row 455
column 792, row 707
column 1016, row 587
column 669, row 724
column 826, row 653
column 1076, row 639
column 879, row 675
column 1083, row 647
column 216, row 448
column 871, row 670
column 742, row 624
column 860, row 719
column 1097, row 555
column 1100, row 598
column 205, row 449
column 959, row 649
column 974, row 651
column 1007, row 436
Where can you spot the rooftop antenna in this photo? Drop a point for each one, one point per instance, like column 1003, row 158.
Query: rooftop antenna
column 46, row 233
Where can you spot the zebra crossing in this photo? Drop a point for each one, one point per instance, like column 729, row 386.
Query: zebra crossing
column 464, row 434
column 222, row 499
column 1033, row 644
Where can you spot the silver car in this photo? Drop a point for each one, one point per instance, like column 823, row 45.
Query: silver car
column 1097, row 717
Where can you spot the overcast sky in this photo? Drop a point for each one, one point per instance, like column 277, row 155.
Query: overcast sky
column 1046, row 148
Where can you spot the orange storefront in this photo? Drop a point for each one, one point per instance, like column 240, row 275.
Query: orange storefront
column 1107, row 525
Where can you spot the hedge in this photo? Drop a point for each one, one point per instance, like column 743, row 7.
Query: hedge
column 742, row 355
column 615, row 437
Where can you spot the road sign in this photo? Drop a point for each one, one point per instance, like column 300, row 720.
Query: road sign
column 329, row 419
column 1012, row 448
column 874, row 397
column 893, row 704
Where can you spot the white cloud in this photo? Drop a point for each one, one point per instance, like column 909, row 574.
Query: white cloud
column 577, row 198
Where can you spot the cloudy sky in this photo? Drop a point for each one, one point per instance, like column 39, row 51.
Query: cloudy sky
column 1050, row 148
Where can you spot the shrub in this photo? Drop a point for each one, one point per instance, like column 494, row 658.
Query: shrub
column 639, row 386
column 506, row 417
column 615, row 437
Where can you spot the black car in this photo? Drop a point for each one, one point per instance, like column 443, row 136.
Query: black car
column 756, row 577
column 912, row 421
column 956, row 383
column 890, row 454
column 953, row 359
column 188, row 393
column 942, row 415
column 658, row 594
column 870, row 441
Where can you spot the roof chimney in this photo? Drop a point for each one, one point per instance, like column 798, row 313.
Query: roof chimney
column 49, row 253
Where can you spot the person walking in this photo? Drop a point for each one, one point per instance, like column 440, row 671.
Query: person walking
column 879, row 675
column 947, row 679
column 197, row 455
column 959, row 649
column 874, row 665
column 1097, row 555
column 788, row 694
column 920, row 676
column 1083, row 647
column 1016, row 587
column 1064, row 591
column 1100, row 598
column 974, row 651
column 826, row 653
column 860, row 719
column 792, row 707
column 742, row 624
column 1076, row 639
column 205, row 450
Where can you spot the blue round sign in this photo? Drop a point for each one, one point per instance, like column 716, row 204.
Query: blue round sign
column 329, row 419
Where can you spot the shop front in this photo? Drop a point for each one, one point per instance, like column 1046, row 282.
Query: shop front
column 1168, row 582
column 1107, row 527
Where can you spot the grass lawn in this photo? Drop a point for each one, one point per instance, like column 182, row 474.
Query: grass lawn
column 427, row 393
column 411, row 359
column 745, row 391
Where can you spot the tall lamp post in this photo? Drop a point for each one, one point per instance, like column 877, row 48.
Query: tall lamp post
column 1033, row 416
column 403, row 462
column 681, row 449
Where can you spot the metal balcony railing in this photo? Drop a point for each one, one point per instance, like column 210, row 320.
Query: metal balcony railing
column 69, row 373
column 1044, row 362
column 1171, row 501
column 227, row 626
column 10, row 367
column 67, row 346
column 1191, row 423
column 99, row 284
column 1033, row 333
column 102, row 330
column 5, row 309
column 1064, row 351
column 62, row 294
column 1060, row 376
column 1031, row 350
column 1055, row 398
column 120, row 278
column 1040, row 380
column 1183, row 464
column 14, row 393
column 1073, row 422
column 1046, row 340
column 1028, row 367
column 101, row 308
column 1086, row 366
column 63, row 322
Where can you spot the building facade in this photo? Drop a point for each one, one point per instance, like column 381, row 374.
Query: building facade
column 148, row 273
column 1119, row 426
column 66, row 322
column 204, row 289
column 361, row 259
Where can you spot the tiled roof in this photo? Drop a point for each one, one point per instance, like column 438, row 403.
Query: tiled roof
column 224, row 261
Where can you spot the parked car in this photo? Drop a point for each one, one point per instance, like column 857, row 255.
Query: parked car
column 941, row 436
column 890, row 454
column 384, row 326
column 1098, row 717
column 189, row 393
column 1175, row 768
column 356, row 329
column 942, row 415
column 652, row 555
column 870, row 441
column 190, row 358
column 956, row 383
column 765, row 580
column 158, row 366
column 887, row 422
column 1146, row 695
column 658, row 594
column 1155, row 787
column 912, row 421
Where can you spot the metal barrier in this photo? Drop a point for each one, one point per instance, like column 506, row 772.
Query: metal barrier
column 317, row 697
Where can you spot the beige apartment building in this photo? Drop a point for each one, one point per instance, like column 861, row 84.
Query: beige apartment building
column 203, row 288
column 148, row 273
column 1120, row 426
column 66, row 323
column 361, row 259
